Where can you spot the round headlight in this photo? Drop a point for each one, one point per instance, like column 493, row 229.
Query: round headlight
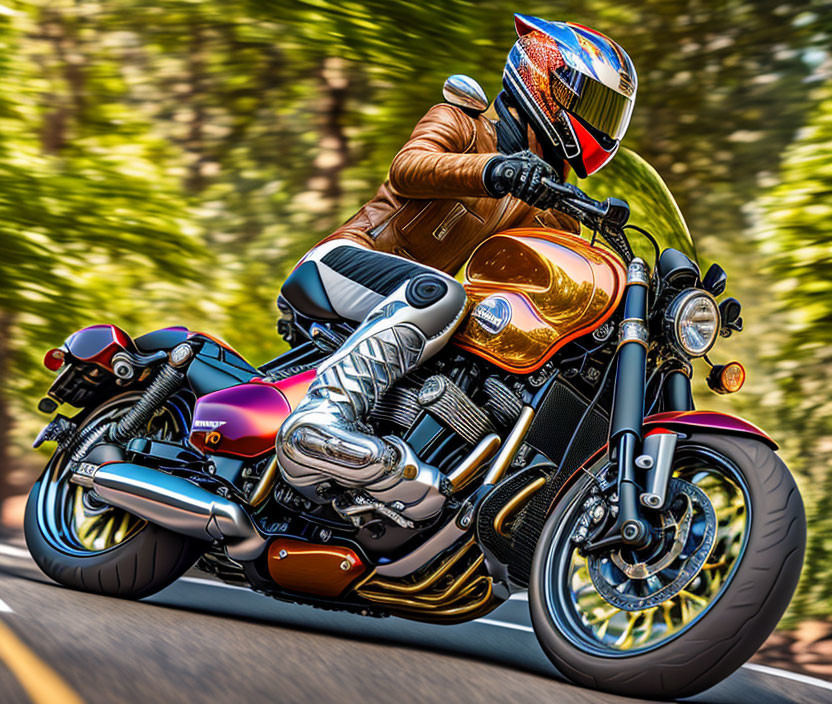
column 694, row 320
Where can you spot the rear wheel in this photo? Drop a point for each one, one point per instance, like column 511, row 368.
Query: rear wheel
column 677, row 620
column 83, row 543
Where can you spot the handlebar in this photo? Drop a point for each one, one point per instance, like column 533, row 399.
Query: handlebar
column 607, row 217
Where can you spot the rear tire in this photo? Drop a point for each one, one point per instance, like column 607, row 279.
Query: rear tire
column 131, row 561
column 142, row 565
column 730, row 629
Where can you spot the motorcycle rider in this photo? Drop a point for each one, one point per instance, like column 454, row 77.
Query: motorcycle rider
column 567, row 100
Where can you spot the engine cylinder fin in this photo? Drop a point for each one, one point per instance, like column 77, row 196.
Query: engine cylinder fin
column 399, row 406
column 502, row 403
column 449, row 404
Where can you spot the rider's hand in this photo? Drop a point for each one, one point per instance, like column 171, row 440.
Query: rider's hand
column 520, row 174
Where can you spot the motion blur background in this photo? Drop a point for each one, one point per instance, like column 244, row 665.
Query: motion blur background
column 166, row 163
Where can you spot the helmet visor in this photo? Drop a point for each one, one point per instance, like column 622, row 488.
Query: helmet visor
column 601, row 107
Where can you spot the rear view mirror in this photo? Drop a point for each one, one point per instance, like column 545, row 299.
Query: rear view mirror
column 465, row 93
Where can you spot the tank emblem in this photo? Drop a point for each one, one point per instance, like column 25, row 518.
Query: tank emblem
column 493, row 314
column 208, row 424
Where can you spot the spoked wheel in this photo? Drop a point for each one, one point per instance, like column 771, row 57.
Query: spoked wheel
column 84, row 543
column 679, row 616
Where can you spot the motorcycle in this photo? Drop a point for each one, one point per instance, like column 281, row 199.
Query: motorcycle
column 659, row 544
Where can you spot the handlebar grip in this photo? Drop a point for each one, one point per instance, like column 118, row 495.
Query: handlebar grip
column 607, row 217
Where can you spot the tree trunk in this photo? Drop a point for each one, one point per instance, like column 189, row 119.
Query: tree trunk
column 195, row 181
column 61, row 31
column 324, row 188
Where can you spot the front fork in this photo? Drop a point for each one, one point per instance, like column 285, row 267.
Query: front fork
column 644, row 463
column 628, row 406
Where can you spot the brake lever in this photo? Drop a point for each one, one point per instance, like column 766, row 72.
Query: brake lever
column 607, row 217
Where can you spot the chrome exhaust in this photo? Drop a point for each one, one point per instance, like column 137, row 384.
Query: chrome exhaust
column 173, row 503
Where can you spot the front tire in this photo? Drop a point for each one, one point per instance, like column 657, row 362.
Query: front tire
column 747, row 602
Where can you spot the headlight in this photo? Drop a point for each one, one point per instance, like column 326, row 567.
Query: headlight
column 693, row 319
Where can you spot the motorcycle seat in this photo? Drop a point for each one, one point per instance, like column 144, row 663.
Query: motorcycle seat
column 305, row 292
column 165, row 339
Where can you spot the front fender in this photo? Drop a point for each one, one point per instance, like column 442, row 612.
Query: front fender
column 678, row 421
column 706, row 421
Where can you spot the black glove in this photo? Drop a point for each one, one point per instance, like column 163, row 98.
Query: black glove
column 520, row 174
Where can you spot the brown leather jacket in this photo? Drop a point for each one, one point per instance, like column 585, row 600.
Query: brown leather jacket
column 434, row 208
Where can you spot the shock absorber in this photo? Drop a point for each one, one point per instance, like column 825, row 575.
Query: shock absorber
column 167, row 382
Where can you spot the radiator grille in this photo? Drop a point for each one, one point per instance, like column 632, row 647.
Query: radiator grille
column 554, row 424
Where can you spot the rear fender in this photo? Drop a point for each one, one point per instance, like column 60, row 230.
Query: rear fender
column 98, row 343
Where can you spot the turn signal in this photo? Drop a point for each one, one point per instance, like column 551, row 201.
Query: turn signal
column 726, row 378
column 54, row 359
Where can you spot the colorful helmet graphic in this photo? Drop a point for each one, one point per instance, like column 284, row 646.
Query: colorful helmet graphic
column 576, row 86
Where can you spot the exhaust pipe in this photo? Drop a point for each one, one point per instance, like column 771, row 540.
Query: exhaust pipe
column 173, row 503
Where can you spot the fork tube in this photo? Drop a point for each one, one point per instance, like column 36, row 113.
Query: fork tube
column 677, row 392
column 628, row 401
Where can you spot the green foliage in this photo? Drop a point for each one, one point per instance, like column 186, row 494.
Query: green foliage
column 652, row 206
column 96, row 212
column 797, row 240
column 167, row 162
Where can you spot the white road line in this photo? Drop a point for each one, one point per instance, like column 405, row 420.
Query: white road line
column 773, row 671
column 13, row 551
column 214, row 583
column 786, row 675
column 505, row 624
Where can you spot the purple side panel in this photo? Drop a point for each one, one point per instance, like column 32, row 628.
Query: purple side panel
column 246, row 417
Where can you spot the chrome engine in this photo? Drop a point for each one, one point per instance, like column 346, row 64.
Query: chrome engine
column 434, row 421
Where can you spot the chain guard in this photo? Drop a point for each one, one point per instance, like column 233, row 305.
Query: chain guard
column 639, row 572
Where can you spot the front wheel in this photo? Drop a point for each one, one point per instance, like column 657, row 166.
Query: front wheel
column 675, row 620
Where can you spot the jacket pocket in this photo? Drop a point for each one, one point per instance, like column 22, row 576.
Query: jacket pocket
column 455, row 214
column 401, row 218
column 439, row 232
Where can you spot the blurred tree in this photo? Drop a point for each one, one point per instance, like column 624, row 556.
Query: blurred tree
column 798, row 243
column 83, row 206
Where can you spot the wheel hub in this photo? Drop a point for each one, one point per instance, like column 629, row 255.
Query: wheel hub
column 632, row 581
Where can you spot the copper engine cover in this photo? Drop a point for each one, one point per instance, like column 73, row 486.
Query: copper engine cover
column 308, row 568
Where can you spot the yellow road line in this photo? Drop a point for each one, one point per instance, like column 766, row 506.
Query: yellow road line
column 41, row 682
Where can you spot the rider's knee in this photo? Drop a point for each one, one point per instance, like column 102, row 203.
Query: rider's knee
column 437, row 302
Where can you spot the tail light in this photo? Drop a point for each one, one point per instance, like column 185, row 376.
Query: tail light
column 54, row 359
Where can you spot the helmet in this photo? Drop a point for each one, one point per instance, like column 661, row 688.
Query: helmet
column 576, row 87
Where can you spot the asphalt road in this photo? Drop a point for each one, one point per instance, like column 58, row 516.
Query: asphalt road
column 200, row 641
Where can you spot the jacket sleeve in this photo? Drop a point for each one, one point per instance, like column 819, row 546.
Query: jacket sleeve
column 434, row 162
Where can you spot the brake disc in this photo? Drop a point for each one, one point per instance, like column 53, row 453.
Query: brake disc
column 645, row 584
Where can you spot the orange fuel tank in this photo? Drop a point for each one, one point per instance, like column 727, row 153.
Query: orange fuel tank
column 532, row 291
